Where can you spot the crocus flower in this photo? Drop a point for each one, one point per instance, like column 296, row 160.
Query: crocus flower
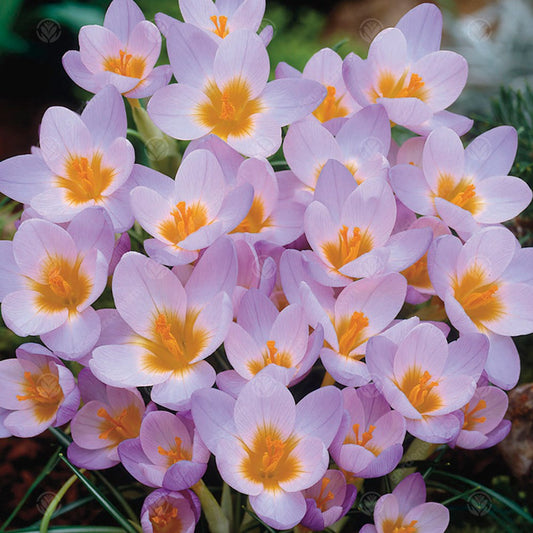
column 328, row 500
column 486, row 286
column 224, row 90
column 37, row 391
column 406, row 510
column 468, row 188
column 363, row 309
column 190, row 213
column 218, row 18
column 51, row 276
column 263, row 338
column 349, row 228
column 163, row 331
column 369, row 441
column 268, row 447
column 168, row 452
column 361, row 145
column 166, row 511
column 83, row 161
column 408, row 75
column 325, row 67
column 482, row 420
column 122, row 53
column 425, row 379
column 109, row 416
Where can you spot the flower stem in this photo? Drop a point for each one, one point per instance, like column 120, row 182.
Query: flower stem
column 417, row 451
column 55, row 502
column 216, row 519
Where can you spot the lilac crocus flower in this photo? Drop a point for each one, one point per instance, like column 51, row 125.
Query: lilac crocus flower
column 168, row 452
column 223, row 90
column 406, row 510
column 425, row 379
column 109, row 416
column 328, row 500
column 468, row 189
column 166, row 511
column 50, row 278
column 122, row 53
column 190, row 213
column 83, row 161
column 268, row 447
column 37, row 391
column 163, row 331
column 369, row 440
column 407, row 73
column 486, row 286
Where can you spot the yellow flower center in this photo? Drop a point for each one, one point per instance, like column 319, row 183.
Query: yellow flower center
column 419, row 389
column 398, row 526
column 126, row 425
column 165, row 519
column 44, row 391
column 324, row 497
column 271, row 357
column 461, row 193
column 220, row 25
column 351, row 332
column 417, row 274
column 331, row 106
column 255, row 220
column 175, row 453
column 125, row 64
column 183, row 221
column 405, row 86
column 471, row 420
column 347, row 247
column 230, row 110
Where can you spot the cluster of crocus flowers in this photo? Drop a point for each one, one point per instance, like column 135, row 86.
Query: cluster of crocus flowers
column 244, row 287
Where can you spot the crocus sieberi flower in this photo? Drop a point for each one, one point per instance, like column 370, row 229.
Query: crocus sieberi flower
column 268, row 447
column 486, row 286
column 407, row 73
column 122, row 53
column 37, row 391
column 109, row 416
column 468, row 189
column 406, row 510
column 425, row 379
column 50, row 278
column 166, row 511
column 223, row 90
column 168, row 452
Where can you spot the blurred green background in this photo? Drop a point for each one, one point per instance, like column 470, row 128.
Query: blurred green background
column 496, row 39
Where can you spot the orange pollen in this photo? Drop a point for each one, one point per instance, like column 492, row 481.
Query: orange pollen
column 419, row 393
column 184, row 218
column 415, row 84
column 478, row 299
column 348, row 340
column 58, row 284
column 174, row 454
column 273, row 455
column 273, row 356
column 463, row 197
column 45, row 391
column 410, row 528
column 162, row 328
column 163, row 514
column 367, row 435
column 228, row 109
column 220, row 25
column 470, row 419
column 350, row 245
column 116, row 424
column 323, row 499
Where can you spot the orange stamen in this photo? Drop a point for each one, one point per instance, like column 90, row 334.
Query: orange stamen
column 163, row 514
column 415, row 84
column 461, row 198
column 350, row 245
column 272, row 455
column 163, row 329
column 478, row 299
column 349, row 339
column 45, row 391
column 58, row 284
column 220, row 25
column 228, row 109
column 323, row 499
column 175, row 454
column 470, row 420
column 410, row 528
column 116, row 424
column 367, row 435
column 419, row 393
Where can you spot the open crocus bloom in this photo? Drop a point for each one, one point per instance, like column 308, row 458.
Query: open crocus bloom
column 166, row 511
column 328, row 500
column 83, row 161
column 50, row 278
column 168, row 452
column 406, row 510
column 369, row 441
column 37, row 391
column 485, row 285
column 363, row 309
column 190, row 213
column 425, row 379
column 361, row 145
column 349, row 228
column 468, row 188
column 408, row 75
column 162, row 331
column 224, row 90
column 268, row 447
column 109, row 416
column 325, row 67
column 122, row 53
